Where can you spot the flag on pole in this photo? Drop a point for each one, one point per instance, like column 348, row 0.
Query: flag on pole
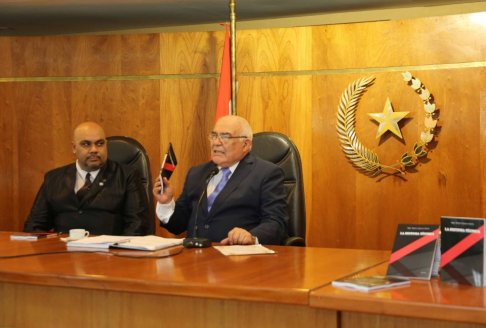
column 223, row 107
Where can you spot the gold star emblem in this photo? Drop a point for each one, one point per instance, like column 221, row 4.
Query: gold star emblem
column 388, row 120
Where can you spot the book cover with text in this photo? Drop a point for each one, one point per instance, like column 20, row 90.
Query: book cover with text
column 414, row 251
column 462, row 247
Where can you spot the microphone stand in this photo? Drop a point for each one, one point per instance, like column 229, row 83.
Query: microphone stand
column 197, row 242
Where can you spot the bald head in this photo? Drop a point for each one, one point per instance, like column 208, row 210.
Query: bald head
column 87, row 128
column 241, row 126
column 89, row 145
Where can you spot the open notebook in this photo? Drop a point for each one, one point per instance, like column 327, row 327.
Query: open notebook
column 145, row 243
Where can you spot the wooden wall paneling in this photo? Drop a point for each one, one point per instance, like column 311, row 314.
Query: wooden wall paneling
column 421, row 41
column 191, row 53
column 482, row 139
column 140, row 118
column 274, row 50
column 96, row 55
column 140, row 54
column 333, row 180
column 42, row 56
column 257, row 51
column 453, row 175
column 187, row 111
column 43, row 136
column 116, row 55
column 9, row 153
column 477, row 19
column 6, row 57
column 97, row 101
column 85, row 55
column 281, row 104
column 62, row 134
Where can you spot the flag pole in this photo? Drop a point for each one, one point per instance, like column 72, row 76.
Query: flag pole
column 232, row 5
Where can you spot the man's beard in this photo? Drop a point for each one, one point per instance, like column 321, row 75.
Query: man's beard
column 94, row 165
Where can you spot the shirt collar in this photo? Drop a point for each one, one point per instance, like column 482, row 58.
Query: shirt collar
column 82, row 173
column 232, row 168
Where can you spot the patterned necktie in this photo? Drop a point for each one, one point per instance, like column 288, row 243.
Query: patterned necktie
column 219, row 187
column 84, row 189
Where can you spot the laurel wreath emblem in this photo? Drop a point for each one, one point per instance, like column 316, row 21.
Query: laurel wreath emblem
column 365, row 159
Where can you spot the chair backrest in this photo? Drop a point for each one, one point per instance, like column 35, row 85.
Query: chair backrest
column 129, row 151
column 279, row 149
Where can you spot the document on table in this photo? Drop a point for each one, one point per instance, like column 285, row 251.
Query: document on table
column 145, row 243
column 244, row 250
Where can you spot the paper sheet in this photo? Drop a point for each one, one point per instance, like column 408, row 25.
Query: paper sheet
column 244, row 250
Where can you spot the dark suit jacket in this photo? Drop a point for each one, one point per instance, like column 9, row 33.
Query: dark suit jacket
column 116, row 203
column 253, row 199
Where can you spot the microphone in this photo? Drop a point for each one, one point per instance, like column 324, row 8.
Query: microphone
column 197, row 242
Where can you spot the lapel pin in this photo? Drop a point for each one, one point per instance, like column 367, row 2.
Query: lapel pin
column 101, row 184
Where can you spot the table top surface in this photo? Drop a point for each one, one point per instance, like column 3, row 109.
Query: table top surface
column 426, row 299
column 285, row 277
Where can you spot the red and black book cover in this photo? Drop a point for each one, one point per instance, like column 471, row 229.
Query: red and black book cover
column 413, row 251
column 462, row 247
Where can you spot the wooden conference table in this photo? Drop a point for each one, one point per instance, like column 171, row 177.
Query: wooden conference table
column 198, row 288
column 423, row 304
column 205, row 288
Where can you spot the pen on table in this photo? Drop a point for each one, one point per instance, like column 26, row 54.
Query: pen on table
column 122, row 242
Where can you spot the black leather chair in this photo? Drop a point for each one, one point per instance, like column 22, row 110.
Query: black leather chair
column 279, row 149
column 129, row 151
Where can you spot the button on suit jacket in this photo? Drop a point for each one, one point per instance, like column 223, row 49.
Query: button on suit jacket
column 115, row 204
column 254, row 199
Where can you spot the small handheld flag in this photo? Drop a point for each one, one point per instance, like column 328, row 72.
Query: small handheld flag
column 168, row 165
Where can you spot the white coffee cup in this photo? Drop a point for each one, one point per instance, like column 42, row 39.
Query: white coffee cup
column 78, row 234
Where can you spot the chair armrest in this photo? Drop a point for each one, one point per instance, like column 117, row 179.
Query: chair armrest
column 294, row 241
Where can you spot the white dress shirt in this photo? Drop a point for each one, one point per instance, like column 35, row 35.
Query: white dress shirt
column 164, row 211
column 81, row 177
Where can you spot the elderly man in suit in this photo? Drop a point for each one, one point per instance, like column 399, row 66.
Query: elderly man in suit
column 245, row 202
column 96, row 194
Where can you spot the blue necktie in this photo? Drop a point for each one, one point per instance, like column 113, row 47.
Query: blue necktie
column 219, row 187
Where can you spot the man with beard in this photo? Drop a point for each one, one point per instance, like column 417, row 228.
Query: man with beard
column 96, row 194
column 238, row 198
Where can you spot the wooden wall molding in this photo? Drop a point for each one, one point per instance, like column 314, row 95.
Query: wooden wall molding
column 368, row 70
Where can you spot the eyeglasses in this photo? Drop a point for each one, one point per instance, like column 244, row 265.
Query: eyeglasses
column 88, row 144
column 224, row 137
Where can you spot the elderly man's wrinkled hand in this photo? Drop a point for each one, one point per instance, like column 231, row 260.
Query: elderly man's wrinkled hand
column 239, row 236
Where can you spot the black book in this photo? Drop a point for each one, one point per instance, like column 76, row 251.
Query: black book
column 414, row 251
column 462, row 246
